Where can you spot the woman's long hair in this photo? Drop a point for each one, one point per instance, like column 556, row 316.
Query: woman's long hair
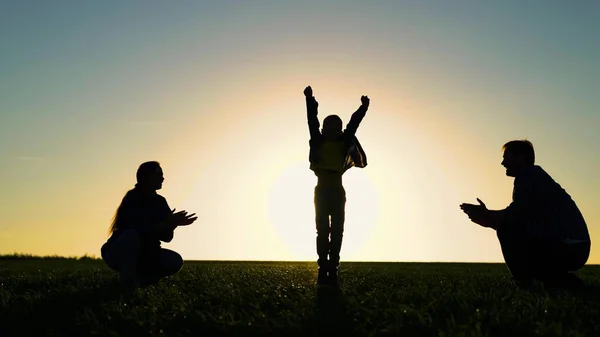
column 143, row 171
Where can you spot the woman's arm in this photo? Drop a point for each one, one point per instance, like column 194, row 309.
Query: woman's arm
column 166, row 228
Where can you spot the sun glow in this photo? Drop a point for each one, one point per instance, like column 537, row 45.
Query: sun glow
column 292, row 215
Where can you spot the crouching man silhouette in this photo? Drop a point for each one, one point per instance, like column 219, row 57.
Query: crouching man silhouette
column 542, row 233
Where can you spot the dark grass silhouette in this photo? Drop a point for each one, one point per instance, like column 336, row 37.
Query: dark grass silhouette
column 78, row 298
column 22, row 256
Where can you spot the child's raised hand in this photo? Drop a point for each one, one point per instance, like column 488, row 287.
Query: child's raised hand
column 365, row 100
column 308, row 91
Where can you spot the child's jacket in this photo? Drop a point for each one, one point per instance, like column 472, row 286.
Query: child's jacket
column 353, row 153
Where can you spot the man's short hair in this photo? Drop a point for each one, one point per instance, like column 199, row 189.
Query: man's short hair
column 521, row 147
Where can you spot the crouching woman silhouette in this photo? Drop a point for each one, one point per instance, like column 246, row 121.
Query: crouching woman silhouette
column 141, row 222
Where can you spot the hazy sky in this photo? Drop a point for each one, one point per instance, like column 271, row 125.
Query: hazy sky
column 213, row 90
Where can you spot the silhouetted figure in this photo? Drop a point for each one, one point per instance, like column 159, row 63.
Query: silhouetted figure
column 332, row 152
column 141, row 222
column 542, row 233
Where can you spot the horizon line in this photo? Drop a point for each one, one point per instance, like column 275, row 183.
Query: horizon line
column 20, row 256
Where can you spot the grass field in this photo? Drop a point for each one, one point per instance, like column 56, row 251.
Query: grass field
column 77, row 298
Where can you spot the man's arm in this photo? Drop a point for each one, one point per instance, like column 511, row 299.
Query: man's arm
column 311, row 113
column 520, row 208
column 483, row 216
column 514, row 213
column 495, row 218
column 357, row 117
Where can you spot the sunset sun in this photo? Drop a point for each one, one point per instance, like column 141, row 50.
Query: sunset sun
column 292, row 215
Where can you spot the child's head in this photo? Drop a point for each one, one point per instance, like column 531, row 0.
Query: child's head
column 332, row 127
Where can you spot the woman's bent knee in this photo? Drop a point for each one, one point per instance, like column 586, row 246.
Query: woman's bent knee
column 172, row 262
column 177, row 262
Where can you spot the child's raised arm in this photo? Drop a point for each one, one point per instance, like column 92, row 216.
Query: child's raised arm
column 311, row 113
column 357, row 116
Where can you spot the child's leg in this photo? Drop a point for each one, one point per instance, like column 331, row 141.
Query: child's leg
column 338, row 216
column 322, row 222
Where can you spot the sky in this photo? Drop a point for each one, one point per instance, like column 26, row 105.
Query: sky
column 213, row 91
